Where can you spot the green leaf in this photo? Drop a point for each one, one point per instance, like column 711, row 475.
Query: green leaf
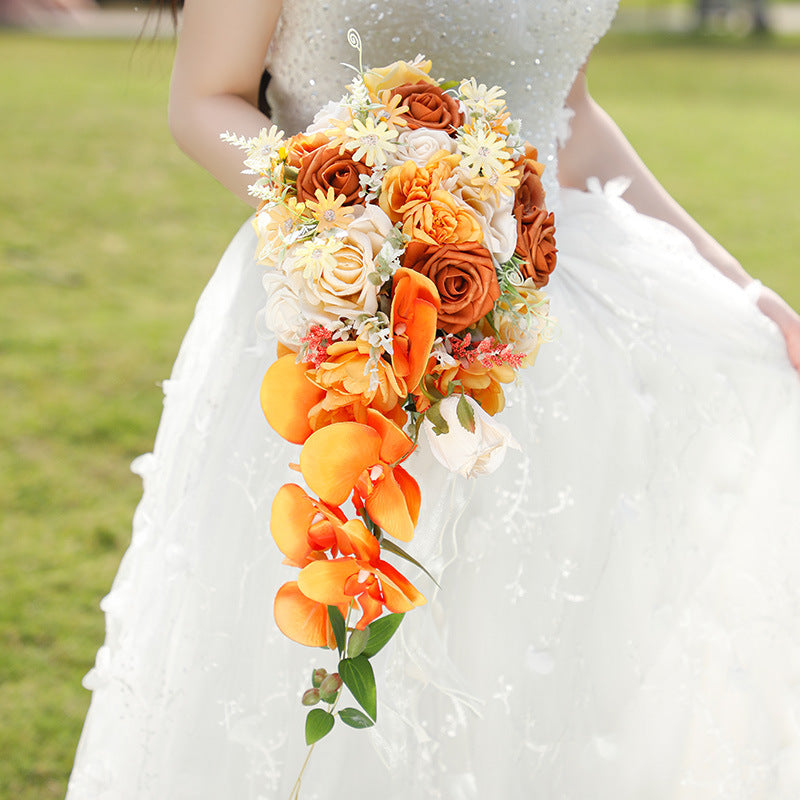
column 381, row 631
column 355, row 718
column 428, row 388
column 339, row 627
column 439, row 423
column 393, row 547
column 359, row 678
column 445, row 85
column 465, row 414
column 318, row 724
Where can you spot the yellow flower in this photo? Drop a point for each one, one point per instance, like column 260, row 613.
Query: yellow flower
column 480, row 100
column 484, row 151
column 274, row 223
column 329, row 210
column 392, row 112
column 314, row 256
column 497, row 182
column 370, row 141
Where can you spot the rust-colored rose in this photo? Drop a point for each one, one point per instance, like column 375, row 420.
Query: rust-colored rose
column 536, row 243
column 325, row 168
column 464, row 276
column 300, row 145
column 530, row 193
column 429, row 107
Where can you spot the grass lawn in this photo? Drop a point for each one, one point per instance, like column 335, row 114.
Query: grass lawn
column 108, row 234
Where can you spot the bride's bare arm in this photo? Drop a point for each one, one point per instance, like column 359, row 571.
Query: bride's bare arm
column 215, row 79
column 598, row 148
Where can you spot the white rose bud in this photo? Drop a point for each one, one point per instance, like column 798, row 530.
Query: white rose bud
column 469, row 454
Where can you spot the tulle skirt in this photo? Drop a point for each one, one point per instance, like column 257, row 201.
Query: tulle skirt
column 618, row 611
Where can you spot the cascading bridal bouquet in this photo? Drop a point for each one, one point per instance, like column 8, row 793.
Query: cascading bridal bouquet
column 408, row 242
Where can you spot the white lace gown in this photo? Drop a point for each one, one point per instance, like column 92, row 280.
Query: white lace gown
column 618, row 615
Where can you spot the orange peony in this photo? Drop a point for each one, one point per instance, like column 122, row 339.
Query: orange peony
column 481, row 383
column 352, row 384
column 407, row 184
column 442, row 219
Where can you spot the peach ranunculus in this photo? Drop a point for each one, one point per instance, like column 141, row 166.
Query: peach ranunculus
column 442, row 219
column 326, row 168
column 464, row 276
column 406, row 185
column 363, row 577
column 483, row 383
column 364, row 459
column 429, row 107
column 353, row 381
column 397, row 74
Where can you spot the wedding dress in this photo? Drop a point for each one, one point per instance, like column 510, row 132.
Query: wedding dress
column 618, row 608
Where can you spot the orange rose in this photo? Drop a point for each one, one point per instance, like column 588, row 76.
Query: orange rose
column 535, row 243
column 407, row 184
column 299, row 146
column 464, row 276
column 530, row 193
column 325, row 168
column 429, row 107
column 442, row 219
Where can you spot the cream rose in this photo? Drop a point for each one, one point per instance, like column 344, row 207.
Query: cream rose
column 420, row 146
column 342, row 288
column 496, row 219
column 469, row 454
column 284, row 313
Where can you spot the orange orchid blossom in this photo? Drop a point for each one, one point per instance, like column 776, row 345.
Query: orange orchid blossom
column 364, row 459
column 304, row 528
column 287, row 397
column 360, row 575
column 303, row 620
column 415, row 306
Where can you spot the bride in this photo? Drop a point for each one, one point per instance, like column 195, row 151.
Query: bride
column 618, row 608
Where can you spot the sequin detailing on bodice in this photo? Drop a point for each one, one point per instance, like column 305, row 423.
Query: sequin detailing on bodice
column 532, row 48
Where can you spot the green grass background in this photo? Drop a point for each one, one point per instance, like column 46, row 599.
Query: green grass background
column 107, row 236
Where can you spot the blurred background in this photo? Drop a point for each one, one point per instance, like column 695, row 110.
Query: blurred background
column 108, row 234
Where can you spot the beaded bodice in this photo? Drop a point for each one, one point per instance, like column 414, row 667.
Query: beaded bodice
column 532, row 48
